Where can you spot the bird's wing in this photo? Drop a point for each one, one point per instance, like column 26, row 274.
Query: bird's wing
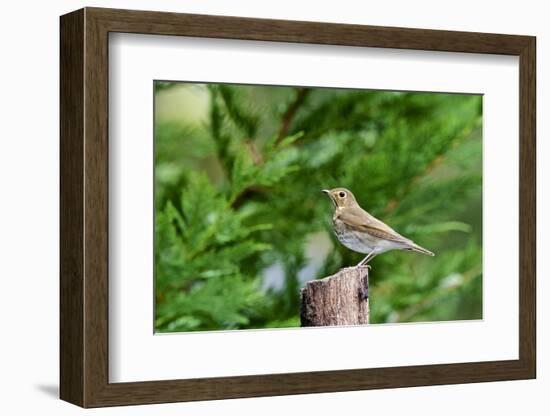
column 362, row 220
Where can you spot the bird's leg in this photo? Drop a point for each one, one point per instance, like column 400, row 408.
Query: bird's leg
column 367, row 258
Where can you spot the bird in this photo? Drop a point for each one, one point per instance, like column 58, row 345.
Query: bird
column 359, row 231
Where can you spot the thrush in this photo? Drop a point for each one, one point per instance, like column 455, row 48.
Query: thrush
column 361, row 232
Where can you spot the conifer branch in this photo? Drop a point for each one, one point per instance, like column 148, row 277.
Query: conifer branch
column 288, row 116
column 408, row 313
column 438, row 159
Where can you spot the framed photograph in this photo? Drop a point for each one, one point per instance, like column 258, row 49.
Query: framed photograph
column 255, row 207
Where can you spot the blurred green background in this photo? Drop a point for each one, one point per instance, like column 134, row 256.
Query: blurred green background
column 241, row 223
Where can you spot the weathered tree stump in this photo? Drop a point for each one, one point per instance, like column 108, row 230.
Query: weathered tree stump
column 340, row 299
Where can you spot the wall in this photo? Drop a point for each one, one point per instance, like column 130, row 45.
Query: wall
column 29, row 220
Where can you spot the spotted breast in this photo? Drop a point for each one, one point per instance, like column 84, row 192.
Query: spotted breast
column 354, row 240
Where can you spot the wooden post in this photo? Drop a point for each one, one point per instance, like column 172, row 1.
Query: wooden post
column 340, row 299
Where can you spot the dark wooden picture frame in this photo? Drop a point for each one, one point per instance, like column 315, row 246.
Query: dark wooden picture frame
column 84, row 207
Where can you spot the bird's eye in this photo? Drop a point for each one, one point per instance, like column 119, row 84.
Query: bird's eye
column 342, row 194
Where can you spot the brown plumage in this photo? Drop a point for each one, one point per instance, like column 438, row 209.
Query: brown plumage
column 361, row 232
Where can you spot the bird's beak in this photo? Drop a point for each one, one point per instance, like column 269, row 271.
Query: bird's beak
column 326, row 191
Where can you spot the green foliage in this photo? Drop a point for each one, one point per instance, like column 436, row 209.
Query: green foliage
column 241, row 222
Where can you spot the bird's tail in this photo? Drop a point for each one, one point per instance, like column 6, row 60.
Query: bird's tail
column 418, row 249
